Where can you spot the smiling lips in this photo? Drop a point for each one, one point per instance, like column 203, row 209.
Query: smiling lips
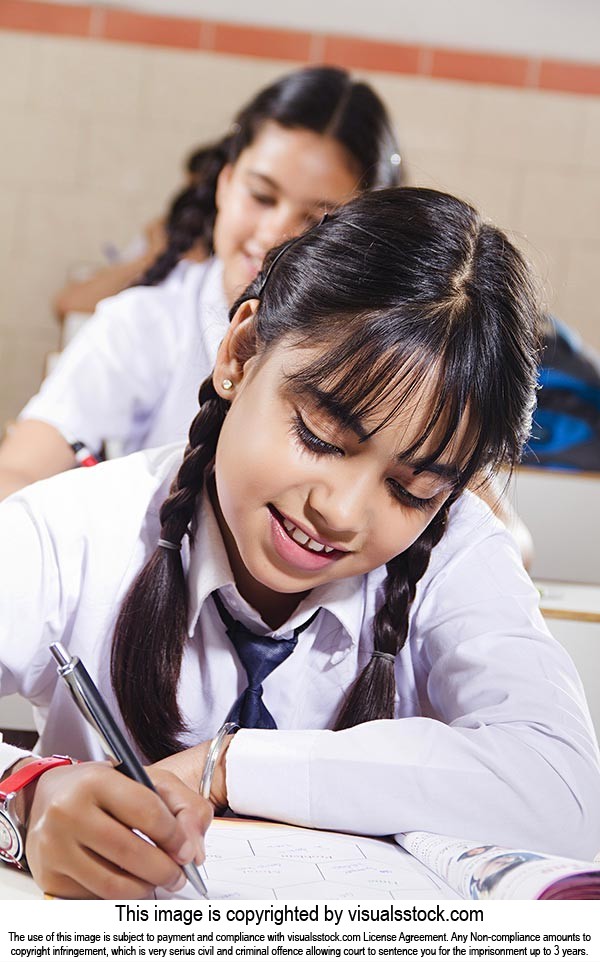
column 253, row 263
column 302, row 538
column 298, row 548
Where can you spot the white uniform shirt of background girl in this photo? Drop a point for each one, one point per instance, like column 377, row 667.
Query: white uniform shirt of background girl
column 385, row 358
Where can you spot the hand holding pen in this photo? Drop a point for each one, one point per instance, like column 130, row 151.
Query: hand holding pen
column 81, row 841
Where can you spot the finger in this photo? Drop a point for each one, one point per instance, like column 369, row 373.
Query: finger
column 118, row 846
column 193, row 813
column 94, row 809
column 137, row 806
column 77, row 872
column 62, row 887
column 104, row 880
column 106, row 860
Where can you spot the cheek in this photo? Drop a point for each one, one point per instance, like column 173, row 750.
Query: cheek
column 240, row 212
column 229, row 226
column 245, row 464
column 399, row 530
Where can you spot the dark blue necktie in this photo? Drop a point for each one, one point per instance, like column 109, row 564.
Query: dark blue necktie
column 260, row 656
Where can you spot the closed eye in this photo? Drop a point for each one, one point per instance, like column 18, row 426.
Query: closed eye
column 410, row 500
column 265, row 199
column 311, row 442
column 316, row 445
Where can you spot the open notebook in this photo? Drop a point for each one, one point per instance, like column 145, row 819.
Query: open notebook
column 249, row 859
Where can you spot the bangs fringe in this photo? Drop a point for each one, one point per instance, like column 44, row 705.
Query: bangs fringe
column 367, row 383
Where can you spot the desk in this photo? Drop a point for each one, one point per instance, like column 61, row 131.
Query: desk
column 250, row 859
column 572, row 612
column 17, row 885
column 566, row 601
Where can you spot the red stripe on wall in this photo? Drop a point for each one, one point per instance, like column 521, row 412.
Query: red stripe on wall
column 275, row 43
column 60, row 18
column 480, row 67
column 371, row 55
column 575, row 78
column 261, row 42
column 162, row 31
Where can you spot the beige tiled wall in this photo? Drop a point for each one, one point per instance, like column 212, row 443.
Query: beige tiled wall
column 94, row 134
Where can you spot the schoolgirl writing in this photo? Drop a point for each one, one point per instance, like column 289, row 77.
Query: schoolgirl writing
column 387, row 359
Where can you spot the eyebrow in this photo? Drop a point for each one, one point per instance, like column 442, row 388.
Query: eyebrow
column 273, row 185
column 348, row 421
column 449, row 471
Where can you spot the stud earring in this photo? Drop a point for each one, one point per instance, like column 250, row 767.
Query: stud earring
column 226, row 384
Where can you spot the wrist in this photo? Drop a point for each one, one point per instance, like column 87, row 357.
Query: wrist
column 16, row 795
column 187, row 765
column 23, row 799
column 213, row 784
column 218, row 792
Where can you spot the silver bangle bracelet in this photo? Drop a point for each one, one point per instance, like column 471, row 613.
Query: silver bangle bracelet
column 229, row 728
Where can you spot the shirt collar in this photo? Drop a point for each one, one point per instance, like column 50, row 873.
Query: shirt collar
column 209, row 570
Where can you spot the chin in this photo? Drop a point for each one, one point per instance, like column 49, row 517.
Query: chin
column 273, row 579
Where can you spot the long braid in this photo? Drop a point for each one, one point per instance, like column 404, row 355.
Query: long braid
column 191, row 217
column 373, row 693
column 152, row 626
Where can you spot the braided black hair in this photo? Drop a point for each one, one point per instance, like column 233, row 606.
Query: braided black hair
column 373, row 693
column 191, row 217
column 150, row 710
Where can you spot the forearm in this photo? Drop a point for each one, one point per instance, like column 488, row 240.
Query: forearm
column 504, row 784
column 32, row 450
column 12, row 480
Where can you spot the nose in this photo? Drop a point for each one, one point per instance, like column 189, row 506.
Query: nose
column 342, row 503
column 277, row 224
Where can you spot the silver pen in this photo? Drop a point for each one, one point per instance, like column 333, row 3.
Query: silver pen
column 95, row 710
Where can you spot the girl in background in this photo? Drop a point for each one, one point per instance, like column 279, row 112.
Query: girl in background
column 306, row 143
column 314, row 571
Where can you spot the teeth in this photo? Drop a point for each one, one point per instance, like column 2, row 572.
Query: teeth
column 304, row 539
column 300, row 537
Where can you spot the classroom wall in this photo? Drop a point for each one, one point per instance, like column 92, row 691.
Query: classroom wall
column 95, row 129
column 566, row 29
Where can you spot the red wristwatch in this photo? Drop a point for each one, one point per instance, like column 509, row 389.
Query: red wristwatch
column 12, row 847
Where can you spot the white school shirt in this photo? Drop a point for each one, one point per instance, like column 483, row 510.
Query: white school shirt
column 132, row 373
column 492, row 738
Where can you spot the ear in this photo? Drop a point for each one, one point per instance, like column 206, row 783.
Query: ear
column 236, row 349
column 223, row 181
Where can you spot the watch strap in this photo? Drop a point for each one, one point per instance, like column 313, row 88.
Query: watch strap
column 24, row 776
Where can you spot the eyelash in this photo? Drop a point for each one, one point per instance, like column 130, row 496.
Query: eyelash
column 405, row 497
column 317, row 446
column 267, row 201
column 311, row 441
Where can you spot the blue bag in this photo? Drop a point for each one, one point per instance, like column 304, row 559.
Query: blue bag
column 566, row 423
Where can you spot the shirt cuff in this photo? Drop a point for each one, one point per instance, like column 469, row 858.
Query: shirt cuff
column 9, row 754
column 268, row 774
